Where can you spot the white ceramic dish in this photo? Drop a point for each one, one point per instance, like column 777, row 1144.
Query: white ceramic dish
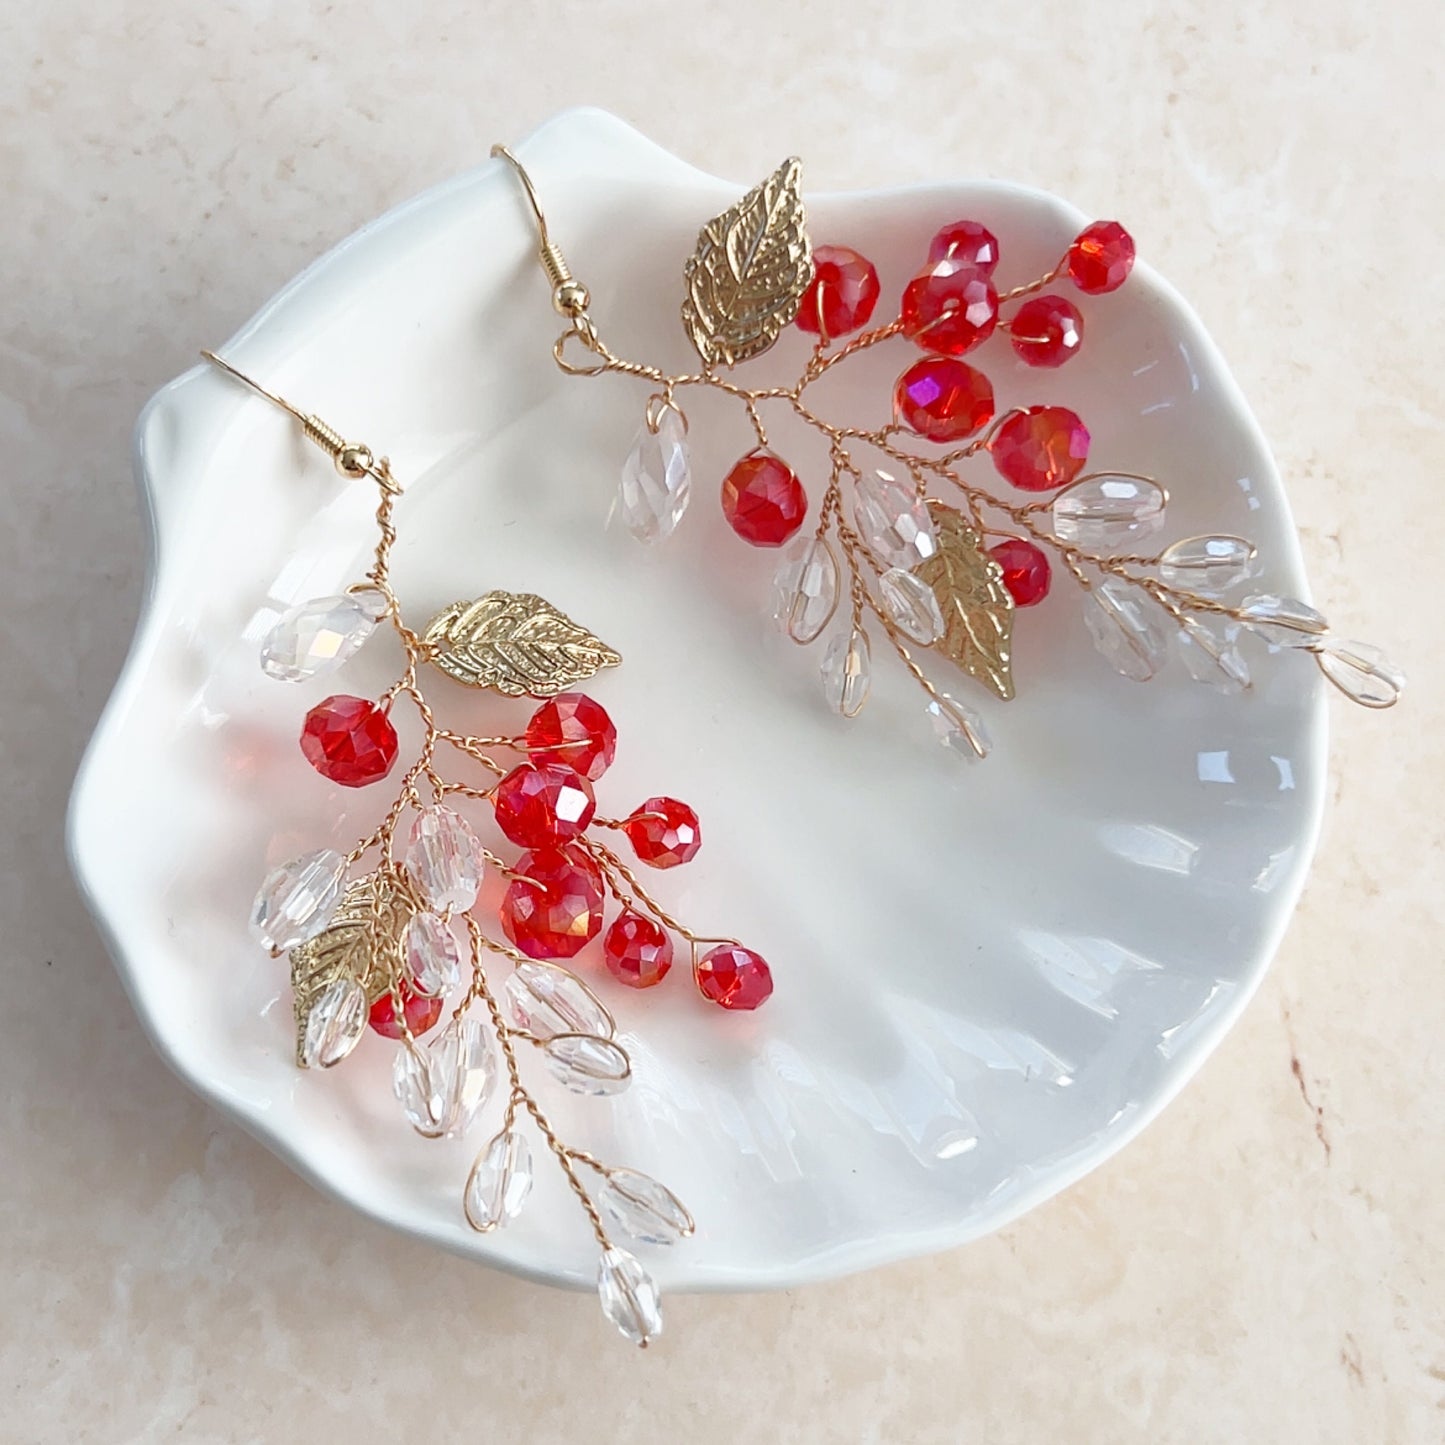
column 989, row 979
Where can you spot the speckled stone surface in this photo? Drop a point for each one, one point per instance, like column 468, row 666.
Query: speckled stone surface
column 1265, row 1264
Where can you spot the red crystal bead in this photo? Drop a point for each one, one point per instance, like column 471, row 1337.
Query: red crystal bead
column 734, row 977
column 539, row 805
column 575, row 731
column 968, row 242
column 1025, row 570
column 763, row 499
column 943, row 398
column 1101, row 257
column 663, row 832
column 421, row 1013
column 1047, row 331
column 349, row 740
column 1040, row 448
column 554, row 909
column 951, row 307
column 638, row 951
column 842, row 293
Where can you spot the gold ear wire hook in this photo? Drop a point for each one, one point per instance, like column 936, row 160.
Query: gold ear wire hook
column 569, row 295
column 352, row 459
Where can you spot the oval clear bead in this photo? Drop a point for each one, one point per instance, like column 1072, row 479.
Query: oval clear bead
column 423, row 1088
column 893, row 520
column 1362, row 672
column 1126, row 628
column 911, row 605
column 656, row 482
column 545, row 1000
column 806, row 590
column 847, row 672
column 1211, row 654
column 1208, row 565
column 588, row 1063
column 638, row 1206
column 334, row 1025
column 297, row 900
column 500, row 1181
column 316, row 637
column 1283, row 621
column 629, row 1296
column 433, row 955
column 1106, row 510
column 445, row 859
column 958, row 728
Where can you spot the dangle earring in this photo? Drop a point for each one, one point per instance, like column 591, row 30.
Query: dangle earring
column 399, row 933
column 914, row 541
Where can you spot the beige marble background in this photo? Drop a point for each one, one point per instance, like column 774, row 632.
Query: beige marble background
column 1265, row 1264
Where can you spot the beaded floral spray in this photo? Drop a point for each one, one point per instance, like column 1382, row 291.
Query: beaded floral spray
column 914, row 543
column 396, row 933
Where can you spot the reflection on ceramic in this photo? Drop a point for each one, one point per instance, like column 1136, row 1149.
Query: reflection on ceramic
column 988, row 978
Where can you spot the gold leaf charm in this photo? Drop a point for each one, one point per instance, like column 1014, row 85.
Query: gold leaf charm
column 750, row 269
column 978, row 610
column 363, row 942
column 515, row 643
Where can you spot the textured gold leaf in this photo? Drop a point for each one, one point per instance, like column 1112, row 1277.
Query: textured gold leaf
column 978, row 610
column 750, row 269
column 515, row 643
column 363, row 942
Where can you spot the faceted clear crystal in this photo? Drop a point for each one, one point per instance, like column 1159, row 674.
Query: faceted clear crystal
column 1283, row 621
column 1211, row 653
column 547, row 1000
column 656, row 478
column 335, row 1024
column 629, row 1296
column 422, row 1088
column 500, row 1181
column 1108, row 511
column 806, row 590
column 297, row 899
column 588, row 1063
column 1127, row 628
column 443, row 1083
column 1362, row 672
column 433, row 955
column 847, row 672
column 893, row 520
column 444, row 858
column 911, row 604
column 316, row 637
column 1207, row 565
column 642, row 1209
column 958, row 728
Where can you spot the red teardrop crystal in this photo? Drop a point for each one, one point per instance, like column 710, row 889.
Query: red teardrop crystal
column 734, row 977
column 763, row 499
column 574, row 730
column 554, row 909
column 842, row 293
column 638, row 952
column 349, row 740
column 663, row 832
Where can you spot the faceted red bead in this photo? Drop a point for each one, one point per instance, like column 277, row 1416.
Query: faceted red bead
column 843, row 292
column 638, row 952
column 1100, row 258
column 968, row 242
column 349, row 740
column 1040, row 448
column 664, row 832
column 1047, row 331
column 763, row 499
column 950, row 307
column 575, row 731
column 420, row 1011
column 943, row 398
column 1025, row 570
column 539, row 805
column 555, row 908
column 734, row 976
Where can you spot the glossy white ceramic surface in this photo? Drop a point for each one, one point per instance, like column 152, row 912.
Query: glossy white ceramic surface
column 988, row 978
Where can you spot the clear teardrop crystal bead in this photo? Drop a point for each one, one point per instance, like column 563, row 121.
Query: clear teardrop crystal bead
column 588, row 1063
column 468, row 1066
column 893, row 520
column 316, row 637
column 847, row 672
column 656, row 479
column 1211, row 653
column 911, row 605
column 1108, row 511
column 1283, row 621
column 642, row 1209
column 444, row 858
column 1127, row 628
column 545, row 1000
column 335, row 1024
column 500, row 1181
column 958, row 728
column 1209, row 565
column 806, row 590
column 629, row 1296
column 433, row 955
column 296, row 900
column 422, row 1088
column 1362, row 672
